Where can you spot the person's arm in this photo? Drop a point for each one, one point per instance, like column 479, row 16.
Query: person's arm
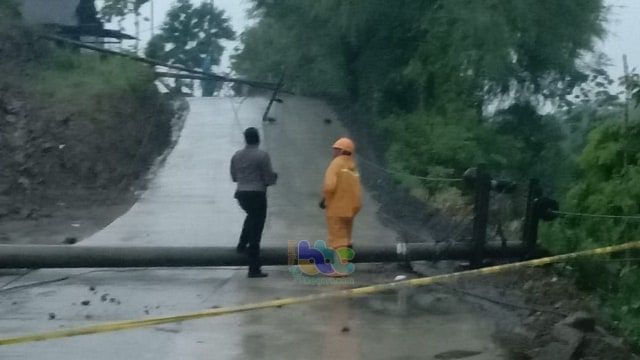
column 269, row 176
column 357, row 195
column 232, row 169
column 330, row 181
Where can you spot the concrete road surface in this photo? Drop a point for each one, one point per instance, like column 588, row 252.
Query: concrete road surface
column 190, row 203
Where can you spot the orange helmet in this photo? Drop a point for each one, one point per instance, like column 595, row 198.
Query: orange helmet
column 344, row 144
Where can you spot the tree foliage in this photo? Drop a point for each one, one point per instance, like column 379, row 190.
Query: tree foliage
column 120, row 8
column 634, row 88
column 475, row 49
column 449, row 83
column 191, row 35
column 421, row 71
column 609, row 184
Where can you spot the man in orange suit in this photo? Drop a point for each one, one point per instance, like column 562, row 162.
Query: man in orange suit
column 341, row 193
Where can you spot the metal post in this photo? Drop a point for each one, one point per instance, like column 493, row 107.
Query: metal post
column 481, row 217
column 531, row 220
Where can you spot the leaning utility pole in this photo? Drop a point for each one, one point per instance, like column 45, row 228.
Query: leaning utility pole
column 274, row 95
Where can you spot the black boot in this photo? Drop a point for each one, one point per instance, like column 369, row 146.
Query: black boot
column 257, row 274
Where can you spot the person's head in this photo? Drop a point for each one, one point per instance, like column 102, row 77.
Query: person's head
column 343, row 146
column 251, row 136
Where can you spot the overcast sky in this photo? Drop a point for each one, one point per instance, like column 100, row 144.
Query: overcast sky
column 623, row 34
column 623, row 28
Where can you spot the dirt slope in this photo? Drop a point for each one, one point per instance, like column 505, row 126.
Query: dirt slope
column 76, row 133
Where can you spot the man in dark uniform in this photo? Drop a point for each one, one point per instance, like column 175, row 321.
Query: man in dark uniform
column 251, row 169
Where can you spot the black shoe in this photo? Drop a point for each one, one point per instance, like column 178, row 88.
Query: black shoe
column 257, row 275
column 241, row 248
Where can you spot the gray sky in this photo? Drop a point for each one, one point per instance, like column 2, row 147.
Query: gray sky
column 624, row 35
column 623, row 28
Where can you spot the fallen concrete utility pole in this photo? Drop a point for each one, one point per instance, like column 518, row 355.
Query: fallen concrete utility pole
column 148, row 61
column 78, row 256
column 255, row 84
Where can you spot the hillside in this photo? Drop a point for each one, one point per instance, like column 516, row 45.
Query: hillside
column 77, row 131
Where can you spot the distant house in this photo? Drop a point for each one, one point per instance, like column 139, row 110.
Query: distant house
column 50, row 12
column 74, row 18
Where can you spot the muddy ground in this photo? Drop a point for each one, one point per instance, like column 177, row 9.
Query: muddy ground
column 54, row 213
column 72, row 157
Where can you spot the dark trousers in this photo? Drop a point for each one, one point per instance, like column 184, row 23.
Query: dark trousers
column 254, row 203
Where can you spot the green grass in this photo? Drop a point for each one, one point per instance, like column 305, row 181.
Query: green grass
column 106, row 109
column 75, row 78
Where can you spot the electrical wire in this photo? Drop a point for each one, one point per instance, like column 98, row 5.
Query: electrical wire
column 393, row 172
column 602, row 216
column 236, row 107
column 16, row 279
column 5, row 289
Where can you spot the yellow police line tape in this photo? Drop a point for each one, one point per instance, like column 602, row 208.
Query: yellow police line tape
column 132, row 324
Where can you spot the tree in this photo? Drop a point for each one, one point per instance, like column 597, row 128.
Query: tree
column 634, row 87
column 345, row 49
column 420, row 70
column 190, row 36
column 120, row 9
column 473, row 51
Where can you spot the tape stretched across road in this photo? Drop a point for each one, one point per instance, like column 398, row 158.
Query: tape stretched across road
column 133, row 324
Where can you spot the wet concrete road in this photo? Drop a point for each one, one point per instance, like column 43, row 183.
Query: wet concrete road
column 190, row 202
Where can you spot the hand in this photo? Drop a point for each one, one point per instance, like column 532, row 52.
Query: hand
column 322, row 204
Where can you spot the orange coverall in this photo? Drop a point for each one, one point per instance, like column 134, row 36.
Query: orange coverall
column 342, row 195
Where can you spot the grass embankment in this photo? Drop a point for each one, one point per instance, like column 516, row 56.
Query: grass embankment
column 73, row 120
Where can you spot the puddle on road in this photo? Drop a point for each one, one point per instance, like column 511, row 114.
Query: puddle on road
column 412, row 302
column 456, row 354
column 420, row 319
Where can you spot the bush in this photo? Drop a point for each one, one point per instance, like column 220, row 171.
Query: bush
column 609, row 184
